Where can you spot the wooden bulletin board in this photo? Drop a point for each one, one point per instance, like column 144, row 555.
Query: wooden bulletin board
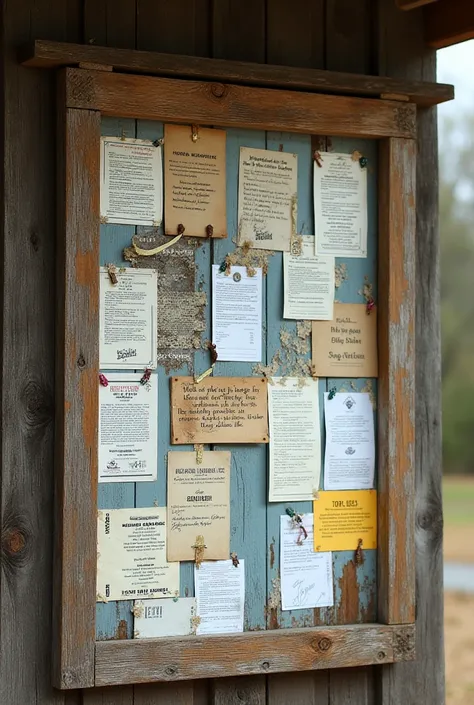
column 379, row 628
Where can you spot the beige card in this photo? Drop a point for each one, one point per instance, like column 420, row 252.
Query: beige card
column 195, row 178
column 347, row 345
column 198, row 504
column 219, row 410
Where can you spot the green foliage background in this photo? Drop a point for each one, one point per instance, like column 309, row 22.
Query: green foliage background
column 457, row 291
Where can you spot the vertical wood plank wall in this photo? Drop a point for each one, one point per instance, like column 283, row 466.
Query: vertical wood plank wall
column 349, row 35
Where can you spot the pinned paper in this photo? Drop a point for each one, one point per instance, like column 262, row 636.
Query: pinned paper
column 166, row 617
column 346, row 346
column 342, row 519
column 220, row 597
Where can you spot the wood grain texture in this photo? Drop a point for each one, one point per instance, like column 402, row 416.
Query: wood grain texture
column 449, row 22
column 348, row 35
column 46, row 54
column 77, row 369
column 422, row 681
column 310, row 687
column 396, row 384
column 239, row 30
column 178, row 27
column 251, row 653
column 295, row 34
column 150, row 98
column 413, row 4
column 250, row 690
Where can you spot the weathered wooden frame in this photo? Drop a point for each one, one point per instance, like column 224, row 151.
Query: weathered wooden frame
column 81, row 662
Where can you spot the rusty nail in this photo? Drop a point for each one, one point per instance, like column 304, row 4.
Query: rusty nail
column 181, row 229
column 265, row 665
column 81, row 363
column 209, row 230
column 218, row 90
column 381, row 655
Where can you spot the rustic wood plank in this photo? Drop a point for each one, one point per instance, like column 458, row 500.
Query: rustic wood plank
column 348, row 35
column 150, row 98
column 413, row 4
column 239, row 30
column 28, row 219
column 164, row 694
column 449, row 22
column 308, row 688
column 295, row 33
column 264, row 652
column 178, row 27
column 422, row 681
column 77, row 360
column 111, row 22
column 396, row 384
column 122, row 695
column 250, row 690
column 45, row 54
column 353, row 687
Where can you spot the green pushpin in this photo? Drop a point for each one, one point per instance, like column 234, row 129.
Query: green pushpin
column 332, row 393
column 223, row 266
column 363, row 161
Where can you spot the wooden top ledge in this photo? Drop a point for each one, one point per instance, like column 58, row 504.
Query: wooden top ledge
column 47, row 54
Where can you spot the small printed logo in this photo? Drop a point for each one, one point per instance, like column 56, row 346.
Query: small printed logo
column 264, row 235
column 349, row 451
column 349, row 403
column 113, row 465
column 126, row 353
column 237, row 277
column 137, row 465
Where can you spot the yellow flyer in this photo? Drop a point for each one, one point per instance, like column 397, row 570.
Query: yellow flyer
column 341, row 519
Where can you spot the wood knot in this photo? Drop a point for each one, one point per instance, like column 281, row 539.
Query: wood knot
column 81, row 363
column 323, row 644
column 15, row 542
column 218, row 90
column 171, row 670
column 265, row 665
column 38, row 404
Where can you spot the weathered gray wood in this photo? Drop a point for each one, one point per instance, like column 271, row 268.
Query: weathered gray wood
column 235, row 691
column 109, row 696
column 250, row 653
column 77, row 400
column 164, row 694
column 422, row 681
column 28, row 218
column 44, row 54
column 396, row 383
column 311, row 688
column 353, row 687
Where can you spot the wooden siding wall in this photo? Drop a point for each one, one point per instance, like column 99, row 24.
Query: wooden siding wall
column 352, row 35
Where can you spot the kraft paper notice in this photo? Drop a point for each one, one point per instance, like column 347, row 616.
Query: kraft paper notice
column 195, row 180
column 219, row 410
column 341, row 519
column 198, row 503
column 347, row 345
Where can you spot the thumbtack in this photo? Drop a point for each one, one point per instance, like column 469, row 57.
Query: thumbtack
column 194, row 133
column 332, row 393
column 104, row 382
column 370, row 306
column 209, row 230
column 297, row 522
column 112, row 272
column 363, row 161
column 146, row 376
column 318, row 159
column 235, row 560
column 199, row 548
column 181, row 229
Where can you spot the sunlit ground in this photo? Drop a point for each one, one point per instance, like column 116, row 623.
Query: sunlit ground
column 458, row 498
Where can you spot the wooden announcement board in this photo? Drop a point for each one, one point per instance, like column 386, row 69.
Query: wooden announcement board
column 219, row 410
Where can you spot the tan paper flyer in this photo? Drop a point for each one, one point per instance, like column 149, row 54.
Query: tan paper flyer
column 198, row 504
column 347, row 345
column 195, row 180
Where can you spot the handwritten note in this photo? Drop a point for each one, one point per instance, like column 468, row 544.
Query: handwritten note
column 128, row 320
column 306, row 576
column 267, row 198
column 349, row 462
column 340, row 206
column 308, row 284
column 131, row 555
column 131, row 186
column 195, row 178
column 295, row 454
column 341, row 519
column 346, row 346
column 220, row 597
column 198, row 503
column 219, row 410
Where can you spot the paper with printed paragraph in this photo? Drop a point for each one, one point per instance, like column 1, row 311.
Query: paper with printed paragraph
column 342, row 519
column 220, row 597
column 308, row 282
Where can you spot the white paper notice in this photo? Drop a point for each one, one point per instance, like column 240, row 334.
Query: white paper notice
column 128, row 322
column 308, row 284
column 350, row 442
column 131, row 555
column 295, row 450
column 168, row 617
column 128, row 428
column 220, row 597
column 237, row 314
column 267, row 198
column 306, row 576
column 131, row 181
column 340, row 206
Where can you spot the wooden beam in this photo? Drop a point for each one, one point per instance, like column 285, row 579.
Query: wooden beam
column 413, row 4
column 204, row 103
column 449, row 22
column 46, row 54
column 396, row 384
column 77, row 359
column 274, row 651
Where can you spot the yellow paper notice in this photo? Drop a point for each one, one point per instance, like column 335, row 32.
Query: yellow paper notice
column 342, row 518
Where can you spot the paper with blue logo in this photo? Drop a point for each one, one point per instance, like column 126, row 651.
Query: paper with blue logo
column 306, row 576
column 349, row 461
